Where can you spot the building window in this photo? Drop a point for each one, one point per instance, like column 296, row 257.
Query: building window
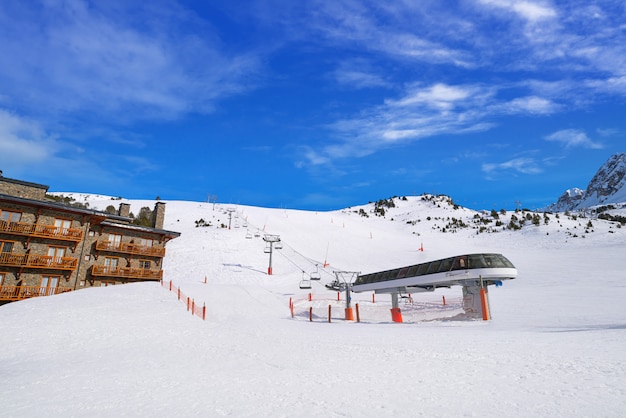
column 49, row 285
column 105, row 283
column 56, row 254
column 61, row 226
column 115, row 240
column 87, row 257
column 8, row 216
column 1, row 279
column 144, row 264
column 92, row 233
column 110, row 264
column 6, row 246
column 145, row 242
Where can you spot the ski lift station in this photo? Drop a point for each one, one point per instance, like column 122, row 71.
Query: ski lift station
column 475, row 272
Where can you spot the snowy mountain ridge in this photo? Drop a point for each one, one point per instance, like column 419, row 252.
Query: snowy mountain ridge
column 608, row 186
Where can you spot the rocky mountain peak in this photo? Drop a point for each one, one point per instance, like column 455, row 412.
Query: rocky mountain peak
column 607, row 186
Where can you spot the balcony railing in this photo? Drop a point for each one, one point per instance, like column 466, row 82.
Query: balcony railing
column 38, row 261
column 13, row 293
column 124, row 247
column 127, row 272
column 41, row 231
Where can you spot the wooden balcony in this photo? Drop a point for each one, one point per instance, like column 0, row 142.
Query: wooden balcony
column 38, row 261
column 41, row 231
column 127, row 248
column 14, row 293
column 127, row 272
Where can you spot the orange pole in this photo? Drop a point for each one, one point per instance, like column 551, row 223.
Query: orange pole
column 329, row 307
column 170, row 285
column 358, row 317
column 178, row 292
column 338, row 296
column 311, row 314
column 204, row 312
column 188, row 301
column 444, row 300
column 484, row 305
column 310, row 297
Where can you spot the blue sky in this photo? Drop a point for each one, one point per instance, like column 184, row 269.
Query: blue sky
column 312, row 104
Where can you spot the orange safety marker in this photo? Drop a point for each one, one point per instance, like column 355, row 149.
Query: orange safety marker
column 358, row 317
column 329, row 308
column 396, row 315
column 444, row 300
column 349, row 314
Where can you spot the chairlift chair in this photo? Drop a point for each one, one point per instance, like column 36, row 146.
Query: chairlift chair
column 316, row 274
column 267, row 250
column 304, row 282
column 278, row 245
column 248, row 235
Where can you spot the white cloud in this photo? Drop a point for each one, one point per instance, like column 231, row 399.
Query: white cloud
column 368, row 26
column 532, row 11
column 98, row 59
column 359, row 79
column 521, row 165
column 531, row 105
column 573, row 138
column 22, row 143
column 439, row 96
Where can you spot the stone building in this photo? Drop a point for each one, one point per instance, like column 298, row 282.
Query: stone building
column 48, row 247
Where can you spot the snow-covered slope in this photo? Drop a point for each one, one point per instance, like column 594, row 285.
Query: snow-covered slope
column 555, row 346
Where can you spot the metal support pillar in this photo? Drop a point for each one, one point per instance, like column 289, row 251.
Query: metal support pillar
column 476, row 300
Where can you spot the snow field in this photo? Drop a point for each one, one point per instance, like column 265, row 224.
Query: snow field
column 555, row 347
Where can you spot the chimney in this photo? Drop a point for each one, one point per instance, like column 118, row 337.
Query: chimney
column 124, row 210
column 158, row 215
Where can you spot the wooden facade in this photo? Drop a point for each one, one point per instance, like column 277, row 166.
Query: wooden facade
column 48, row 248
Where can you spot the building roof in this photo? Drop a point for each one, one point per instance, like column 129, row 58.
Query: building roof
column 104, row 218
column 168, row 234
column 23, row 183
